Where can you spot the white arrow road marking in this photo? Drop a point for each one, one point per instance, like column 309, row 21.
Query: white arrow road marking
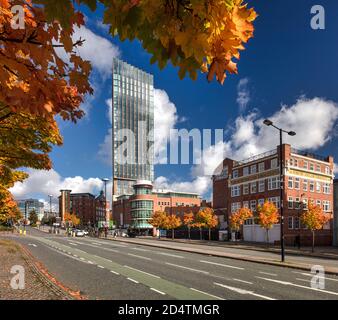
column 32, row 245
column 312, row 274
column 299, row 286
column 242, row 291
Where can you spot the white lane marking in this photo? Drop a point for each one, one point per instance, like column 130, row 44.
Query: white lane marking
column 32, row 245
column 268, row 273
column 241, row 291
column 208, row 294
column 100, row 267
column 140, row 249
column 183, row 267
column 305, row 280
column 222, row 265
column 158, row 291
column 132, row 280
column 75, row 255
column 299, row 286
column 97, row 243
column 169, row 255
column 73, row 244
column 141, row 257
column 149, row 274
column 114, row 272
column 82, row 258
column 90, row 262
column 239, row 280
column 69, row 252
column 312, row 274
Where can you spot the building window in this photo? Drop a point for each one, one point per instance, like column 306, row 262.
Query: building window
column 326, row 205
column 304, row 204
column 318, row 169
column 304, row 185
column 318, row 187
column 296, row 223
column 291, row 162
column 274, row 163
column 245, row 171
column 246, row 204
column 261, row 185
column 312, row 166
column 261, row 202
column 327, row 170
column 253, row 205
column 246, row 188
column 296, row 162
column 297, row 183
column 290, row 223
column 312, row 186
column 253, row 187
column 261, row 166
column 273, row 183
column 235, row 206
column 275, row 201
column 290, row 183
column 318, row 203
column 253, row 169
column 326, row 188
column 297, row 203
column 235, row 174
column 235, row 191
column 290, row 203
column 305, row 165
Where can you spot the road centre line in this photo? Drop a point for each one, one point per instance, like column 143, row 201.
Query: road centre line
column 183, row 267
column 158, row 291
column 112, row 271
column 132, row 280
column 299, row 286
column 149, row 274
column 169, row 255
column 208, row 294
column 268, row 273
column 141, row 257
column 140, row 249
column 242, row 291
column 222, row 265
column 239, row 280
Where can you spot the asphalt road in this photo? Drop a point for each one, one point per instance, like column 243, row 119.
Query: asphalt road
column 102, row 269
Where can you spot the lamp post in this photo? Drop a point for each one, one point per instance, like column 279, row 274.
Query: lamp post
column 50, row 210
column 105, row 180
column 300, row 209
column 269, row 123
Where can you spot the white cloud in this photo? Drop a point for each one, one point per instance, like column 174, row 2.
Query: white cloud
column 335, row 168
column 43, row 183
column 243, row 94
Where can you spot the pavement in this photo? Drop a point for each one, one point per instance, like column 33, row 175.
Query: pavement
column 135, row 269
column 36, row 284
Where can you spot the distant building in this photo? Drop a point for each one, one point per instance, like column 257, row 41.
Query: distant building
column 26, row 206
column 335, row 213
column 250, row 182
column 86, row 206
column 133, row 110
column 134, row 211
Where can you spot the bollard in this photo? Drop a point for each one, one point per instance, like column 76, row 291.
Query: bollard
column 24, row 232
column 20, row 231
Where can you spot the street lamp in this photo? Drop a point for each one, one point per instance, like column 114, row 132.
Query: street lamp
column 50, row 210
column 105, row 181
column 269, row 123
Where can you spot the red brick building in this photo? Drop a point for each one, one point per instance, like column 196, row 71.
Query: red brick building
column 87, row 207
column 135, row 210
column 250, row 182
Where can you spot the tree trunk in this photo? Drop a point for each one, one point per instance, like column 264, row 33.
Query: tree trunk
column 313, row 240
column 209, row 234
column 173, row 234
column 267, row 237
column 200, row 233
column 189, row 233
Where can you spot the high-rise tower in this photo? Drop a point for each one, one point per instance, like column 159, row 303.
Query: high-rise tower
column 133, row 125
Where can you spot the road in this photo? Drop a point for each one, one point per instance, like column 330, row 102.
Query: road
column 103, row 269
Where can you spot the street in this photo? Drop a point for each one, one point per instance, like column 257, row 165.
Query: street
column 103, row 269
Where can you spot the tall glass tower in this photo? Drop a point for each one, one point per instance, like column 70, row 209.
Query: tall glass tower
column 133, row 125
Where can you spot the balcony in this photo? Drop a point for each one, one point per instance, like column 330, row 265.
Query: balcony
column 309, row 155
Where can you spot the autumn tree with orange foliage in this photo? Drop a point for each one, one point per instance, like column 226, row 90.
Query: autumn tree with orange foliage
column 267, row 216
column 172, row 222
column 158, row 220
column 314, row 219
column 36, row 85
column 238, row 218
column 72, row 219
column 188, row 220
column 208, row 219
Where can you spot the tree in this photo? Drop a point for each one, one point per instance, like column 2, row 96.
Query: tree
column 314, row 219
column 33, row 218
column 188, row 220
column 158, row 220
column 238, row 218
column 208, row 219
column 267, row 216
column 193, row 35
column 172, row 222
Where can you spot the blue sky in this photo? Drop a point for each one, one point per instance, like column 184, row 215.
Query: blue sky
column 286, row 61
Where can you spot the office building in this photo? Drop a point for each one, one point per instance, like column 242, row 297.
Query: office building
column 132, row 113
column 26, row 206
column 251, row 182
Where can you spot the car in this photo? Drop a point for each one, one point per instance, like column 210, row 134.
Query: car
column 79, row 233
column 85, row 232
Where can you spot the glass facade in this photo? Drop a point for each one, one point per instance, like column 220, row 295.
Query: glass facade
column 133, row 113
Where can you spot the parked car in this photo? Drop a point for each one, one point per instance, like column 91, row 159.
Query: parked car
column 79, row 233
column 85, row 232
